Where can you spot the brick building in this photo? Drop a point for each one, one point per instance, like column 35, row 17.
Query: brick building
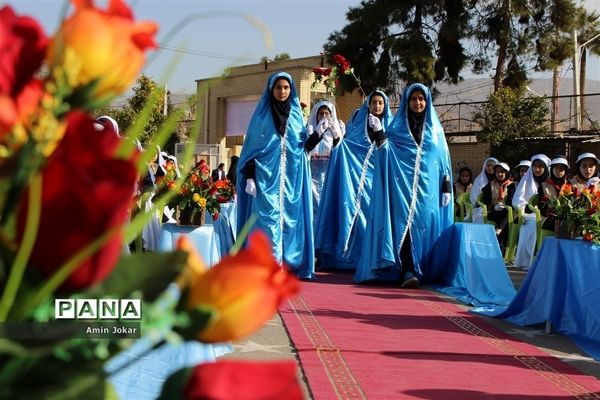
column 226, row 104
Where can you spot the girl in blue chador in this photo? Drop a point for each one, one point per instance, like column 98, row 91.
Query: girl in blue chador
column 345, row 200
column 273, row 180
column 411, row 198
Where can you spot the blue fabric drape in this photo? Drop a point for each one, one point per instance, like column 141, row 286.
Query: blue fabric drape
column 283, row 203
column 347, row 193
column 406, row 197
column 563, row 287
column 473, row 266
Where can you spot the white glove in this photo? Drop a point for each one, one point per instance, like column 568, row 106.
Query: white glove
column 324, row 124
column 446, row 197
column 169, row 213
column 251, row 187
column 499, row 207
column 310, row 130
column 374, row 123
column 592, row 181
column 342, row 128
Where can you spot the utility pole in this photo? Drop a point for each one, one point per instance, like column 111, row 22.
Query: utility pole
column 576, row 104
column 577, row 78
column 166, row 100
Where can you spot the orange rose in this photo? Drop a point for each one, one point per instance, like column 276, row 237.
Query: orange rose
column 243, row 291
column 106, row 47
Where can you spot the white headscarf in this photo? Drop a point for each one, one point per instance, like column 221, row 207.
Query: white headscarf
column 527, row 186
column 109, row 121
column 324, row 147
column 480, row 181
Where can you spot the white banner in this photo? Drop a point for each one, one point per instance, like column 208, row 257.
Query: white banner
column 238, row 114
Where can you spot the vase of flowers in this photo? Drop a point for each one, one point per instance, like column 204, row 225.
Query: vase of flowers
column 198, row 195
column 577, row 213
column 190, row 216
column 566, row 229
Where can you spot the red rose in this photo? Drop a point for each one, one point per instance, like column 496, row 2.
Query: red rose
column 243, row 380
column 339, row 59
column 321, row 71
column 22, row 49
column 86, row 192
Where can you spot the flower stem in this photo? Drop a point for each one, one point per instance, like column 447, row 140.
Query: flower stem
column 241, row 238
column 20, row 263
column 358, row 83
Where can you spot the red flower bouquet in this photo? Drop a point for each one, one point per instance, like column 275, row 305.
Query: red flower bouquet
column 330, row 76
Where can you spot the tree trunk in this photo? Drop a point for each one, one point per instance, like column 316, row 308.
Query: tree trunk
column 502, row 41
column 582, row 84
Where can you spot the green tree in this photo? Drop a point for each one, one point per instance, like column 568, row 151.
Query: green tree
column 517, row 36
column 507, row 118
column 125, row 116
column 388, row 41
column 281, row 57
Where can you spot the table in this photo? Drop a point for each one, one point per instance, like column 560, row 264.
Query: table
column 469, row 265
column 204, row 238
column 143, row 378
column 562, row 287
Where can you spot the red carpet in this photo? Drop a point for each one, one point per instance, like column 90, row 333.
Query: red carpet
column 378, row 342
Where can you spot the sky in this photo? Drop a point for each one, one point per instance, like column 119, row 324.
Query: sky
column 212, row 35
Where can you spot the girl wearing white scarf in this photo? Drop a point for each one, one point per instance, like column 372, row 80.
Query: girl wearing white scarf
column 325, row 131
column 485, row 176
column 528, row 186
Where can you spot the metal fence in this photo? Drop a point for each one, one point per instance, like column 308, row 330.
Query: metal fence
column 457, row 118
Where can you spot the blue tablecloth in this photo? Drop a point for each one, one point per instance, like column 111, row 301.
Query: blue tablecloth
column 144, row 377
column 226, row 227
column 563, row 287
column 471, row 267
column 204, row 238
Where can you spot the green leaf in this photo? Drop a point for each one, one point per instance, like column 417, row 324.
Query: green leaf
column 147, row 272
column 198, row 319
column 174, row 387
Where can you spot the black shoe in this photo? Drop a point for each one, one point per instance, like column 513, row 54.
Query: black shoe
column 409, row 281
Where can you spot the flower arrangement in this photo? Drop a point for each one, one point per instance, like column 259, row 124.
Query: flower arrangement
column 579, row 209
column 330, row 76
column 198, row 193
column 66, row 194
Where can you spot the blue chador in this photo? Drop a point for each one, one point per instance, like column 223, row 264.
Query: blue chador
column 347, row 193
column 281, row 171
column 406, row 200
